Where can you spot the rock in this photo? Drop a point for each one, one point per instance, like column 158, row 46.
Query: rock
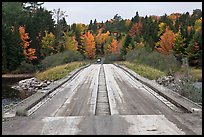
column 33, row 79
column 48, row 82
column 198, row 85
column 31, row 84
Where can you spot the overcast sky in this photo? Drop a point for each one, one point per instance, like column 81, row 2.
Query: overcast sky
column 83, row 12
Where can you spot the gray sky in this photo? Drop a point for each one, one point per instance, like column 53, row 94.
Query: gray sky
column 83, row 12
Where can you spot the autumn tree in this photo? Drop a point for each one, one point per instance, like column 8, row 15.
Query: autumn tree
column 127, row 24
column 89, row 45
column 174, row 17
column 165, row 45
column 70, row 42
column 167, row 21
column 78, row 30
column 101, row 39
column 48, row 44
column 178, row 46
column 136, row 29
column 29, row 53
column 112, row 47
column 162, row 27
column 36, row 23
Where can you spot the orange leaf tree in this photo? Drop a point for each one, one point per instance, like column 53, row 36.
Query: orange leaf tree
column 29, row 53
column 165, row 45
column 101, row 39
column 112, row 47
column 89, row 45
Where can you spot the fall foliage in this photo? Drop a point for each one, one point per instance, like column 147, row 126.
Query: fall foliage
column 70, row 42
column 48, row 44
column 198, row 25
column 166, row 42
column 136, row 29
column 102, row 37
column 183, row 37
column 162, row 27
column 112, row 47
column 29, row 53
column 89, row 44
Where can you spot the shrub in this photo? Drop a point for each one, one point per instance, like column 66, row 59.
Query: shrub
column 165, row 63
column 21, row 112
column 111, row 58
column 187, row 89
column 25, row 68
column 60, row 59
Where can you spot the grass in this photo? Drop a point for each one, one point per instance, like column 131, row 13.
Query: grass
column 143, row 70
column 193, row 74
column 58, row 72
column 187, row 89
column 21, row 112
column 196, row 74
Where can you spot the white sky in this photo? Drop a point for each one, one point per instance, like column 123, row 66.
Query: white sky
column 83, row 12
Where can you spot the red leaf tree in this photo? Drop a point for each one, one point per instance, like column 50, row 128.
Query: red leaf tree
column 136, row 29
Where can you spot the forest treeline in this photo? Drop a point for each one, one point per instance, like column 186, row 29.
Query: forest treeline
column 30, row 34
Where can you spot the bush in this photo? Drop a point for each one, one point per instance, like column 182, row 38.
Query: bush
column 165, row 63
column 111, row 58
column 60, row 59
column 25, row 68
column 21, row 112
column 187, row 89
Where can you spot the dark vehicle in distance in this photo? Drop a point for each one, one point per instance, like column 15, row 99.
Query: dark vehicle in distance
column 98, row 60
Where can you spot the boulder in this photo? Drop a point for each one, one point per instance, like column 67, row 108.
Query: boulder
column 31, row 84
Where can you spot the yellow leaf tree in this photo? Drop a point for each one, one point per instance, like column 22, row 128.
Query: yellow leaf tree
column 48, row 44
column 70, row 42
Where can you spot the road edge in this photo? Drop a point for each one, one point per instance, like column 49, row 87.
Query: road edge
column 21, row 109
column 170, row 95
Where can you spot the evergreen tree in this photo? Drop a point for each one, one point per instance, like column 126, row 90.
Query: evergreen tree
column 95, row 27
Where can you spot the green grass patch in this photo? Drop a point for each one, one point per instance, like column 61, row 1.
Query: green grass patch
column 20, row 112
column 193, row 74
column 58, row 72
column 196, row 74
column 143, row 70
